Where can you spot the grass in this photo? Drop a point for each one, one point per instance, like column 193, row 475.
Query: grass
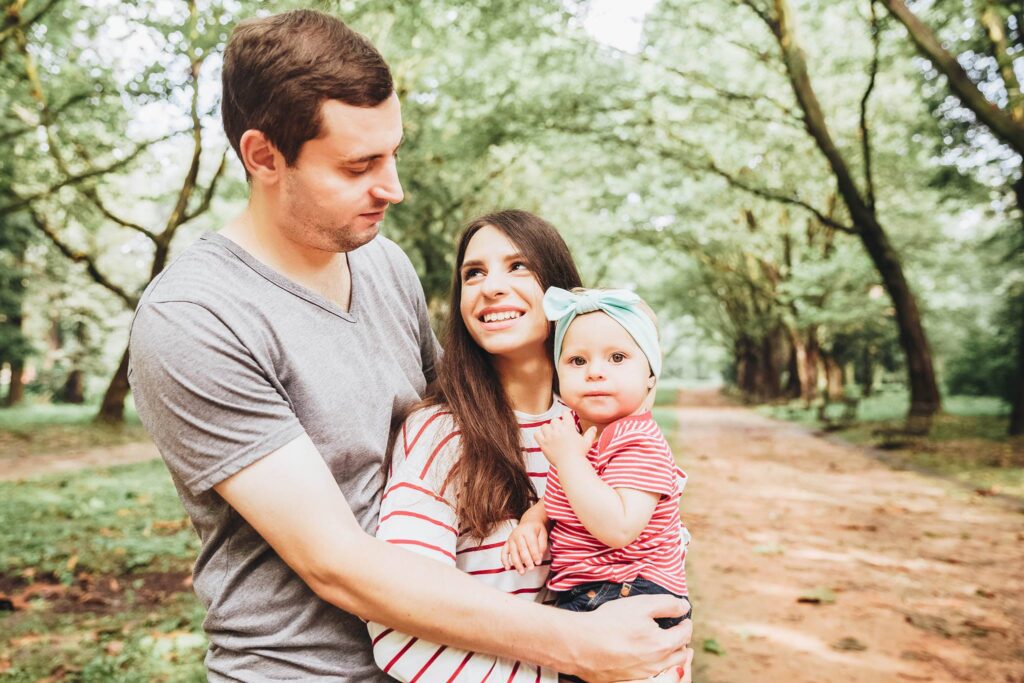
column 91, row 546
column 148, row 643
column 34, row 429
column 112, row 521
column 967, row 442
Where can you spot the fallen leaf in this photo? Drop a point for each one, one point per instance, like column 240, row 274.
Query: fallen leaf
column 711, row 645
column 72, row 562
column 849, row 644
column 818, row 596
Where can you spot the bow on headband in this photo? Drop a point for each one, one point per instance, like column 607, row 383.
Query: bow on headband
column 621, row 305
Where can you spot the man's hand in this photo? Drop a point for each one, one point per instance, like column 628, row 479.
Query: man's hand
column 623, row 642
column 559, row 440
column 525, row 546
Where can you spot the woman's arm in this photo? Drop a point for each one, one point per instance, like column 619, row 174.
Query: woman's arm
column 414, row 517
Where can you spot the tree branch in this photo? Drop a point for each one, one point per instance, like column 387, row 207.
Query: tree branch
column 1002, row 125
column 83, row 258
column 993, row 24
column 865, row 141
column 780, row 198
column 15, row 22
column 211, row 189
column 20, row 202
column 188, row 185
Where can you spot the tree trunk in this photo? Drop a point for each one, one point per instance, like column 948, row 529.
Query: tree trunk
column 1017, row 412
column 73, row 390
column 16, row 389
column 112, row 408
column 924, row 390
column 865, row 372
column 805, row 352
column 794, row 387
column 833, row 378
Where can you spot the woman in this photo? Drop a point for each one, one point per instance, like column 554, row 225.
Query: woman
column 465, row 465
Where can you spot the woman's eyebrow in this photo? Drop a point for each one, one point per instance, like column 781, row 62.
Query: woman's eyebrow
column 476, row 263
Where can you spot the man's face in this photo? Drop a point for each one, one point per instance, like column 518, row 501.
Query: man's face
column 335, row 195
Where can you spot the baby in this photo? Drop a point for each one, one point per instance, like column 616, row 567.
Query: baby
column 613, row 490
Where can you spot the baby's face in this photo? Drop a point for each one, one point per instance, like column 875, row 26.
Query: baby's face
column 602, row 373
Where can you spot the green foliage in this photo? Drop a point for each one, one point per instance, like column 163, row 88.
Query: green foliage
column 146, row 643
column 110, row 521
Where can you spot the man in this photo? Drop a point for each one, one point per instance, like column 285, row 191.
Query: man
column 267, row 362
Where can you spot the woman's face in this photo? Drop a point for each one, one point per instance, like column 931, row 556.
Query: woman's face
column 501, row 303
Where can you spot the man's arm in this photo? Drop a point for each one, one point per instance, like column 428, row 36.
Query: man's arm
column 290, row 498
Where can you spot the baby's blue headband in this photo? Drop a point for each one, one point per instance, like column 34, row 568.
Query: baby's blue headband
column 621, row 305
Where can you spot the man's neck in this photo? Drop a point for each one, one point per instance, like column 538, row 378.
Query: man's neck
column 527, row 382
column 325, row 273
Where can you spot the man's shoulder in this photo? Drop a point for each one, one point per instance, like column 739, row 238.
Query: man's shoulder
column 202, row 274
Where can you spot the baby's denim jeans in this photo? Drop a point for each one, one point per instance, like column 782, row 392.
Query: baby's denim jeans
column 590, row 596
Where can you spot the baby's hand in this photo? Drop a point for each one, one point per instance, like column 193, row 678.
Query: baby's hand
column 525, row 546
column 559, row 440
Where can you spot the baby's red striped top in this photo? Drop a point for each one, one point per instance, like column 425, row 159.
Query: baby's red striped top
column 631, row 453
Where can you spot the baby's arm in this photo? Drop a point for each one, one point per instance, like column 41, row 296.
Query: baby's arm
column 614, row 516
column 528, row 542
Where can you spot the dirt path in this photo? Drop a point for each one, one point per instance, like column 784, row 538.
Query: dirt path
column 24, row 467
column 928, row 580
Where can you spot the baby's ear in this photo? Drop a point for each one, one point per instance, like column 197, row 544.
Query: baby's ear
column 651, row 381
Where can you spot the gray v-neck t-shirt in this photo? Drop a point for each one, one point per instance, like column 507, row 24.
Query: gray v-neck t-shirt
column 230, row 360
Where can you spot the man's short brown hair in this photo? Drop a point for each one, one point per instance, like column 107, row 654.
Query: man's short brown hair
column 278, row 70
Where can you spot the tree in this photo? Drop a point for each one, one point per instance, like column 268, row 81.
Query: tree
column 992, row 60
column 76, row 174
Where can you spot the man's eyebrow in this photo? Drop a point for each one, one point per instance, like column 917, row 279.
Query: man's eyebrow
column 371, row 157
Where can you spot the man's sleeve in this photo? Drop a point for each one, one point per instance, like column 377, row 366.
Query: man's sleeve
column 210, row 407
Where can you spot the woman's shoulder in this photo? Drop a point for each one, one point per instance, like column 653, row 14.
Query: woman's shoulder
column 428, row 440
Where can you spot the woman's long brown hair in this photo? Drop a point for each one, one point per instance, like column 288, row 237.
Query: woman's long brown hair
column 491, row 481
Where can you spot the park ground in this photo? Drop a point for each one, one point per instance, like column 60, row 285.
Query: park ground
column 813, row 559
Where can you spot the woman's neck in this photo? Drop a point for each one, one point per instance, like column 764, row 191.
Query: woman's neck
column 527, row 382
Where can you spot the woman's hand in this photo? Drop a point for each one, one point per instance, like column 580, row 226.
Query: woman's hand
column 525, row 546
column 559, row 440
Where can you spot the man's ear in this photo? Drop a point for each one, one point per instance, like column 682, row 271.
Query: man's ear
column 261, row 158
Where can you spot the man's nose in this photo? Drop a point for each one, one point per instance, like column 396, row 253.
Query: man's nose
column 389, row 187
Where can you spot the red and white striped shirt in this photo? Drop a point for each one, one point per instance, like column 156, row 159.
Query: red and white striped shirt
column 631, row 453
column 418, row 514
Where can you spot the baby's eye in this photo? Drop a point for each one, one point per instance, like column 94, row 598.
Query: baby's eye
column 618, row 357
column 577, row 361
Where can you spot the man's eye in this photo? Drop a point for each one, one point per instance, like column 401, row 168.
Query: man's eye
column 618, row 357
column 357, row 170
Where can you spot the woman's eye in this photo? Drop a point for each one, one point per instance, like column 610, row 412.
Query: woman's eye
column 471, row 273
column 519, row 265
column 618, row 357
